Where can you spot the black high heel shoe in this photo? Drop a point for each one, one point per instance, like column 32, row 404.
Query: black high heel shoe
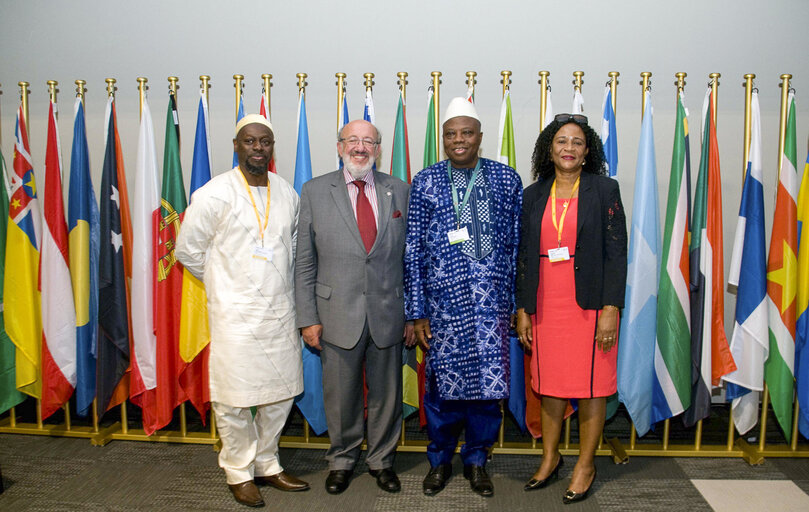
column 535, row 484
column 572, row 497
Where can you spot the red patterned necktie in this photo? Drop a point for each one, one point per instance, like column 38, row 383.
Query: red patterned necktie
column 365, row 217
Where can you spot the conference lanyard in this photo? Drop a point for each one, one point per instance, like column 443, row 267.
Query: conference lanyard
column 564, row 210
column 261, row 225
column 455, row 194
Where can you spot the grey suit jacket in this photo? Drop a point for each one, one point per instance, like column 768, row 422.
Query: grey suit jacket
column 337, row 283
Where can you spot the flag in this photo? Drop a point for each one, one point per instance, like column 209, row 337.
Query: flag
column 310, row 402
column 609, row 135
column 548, row 111
column 342, row 120
column 368, row 113
column 470, row 91
column 115, row 248
column 194, row 333
column 82, row 213
column 58, row 311
column 506, row 154
column 264, row 110
column 636, row 345
column 710, row 353
column 239, row 116
column 578, row 102
column 671, row 386
column 802, row 323
column 782, row 281
column 430, row 150
column 22, row 301
column 9, row 396
column 400, row 155
column 748, row 278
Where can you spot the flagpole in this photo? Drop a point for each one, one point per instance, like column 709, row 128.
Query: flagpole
column 142, row 87
column 341, row 93
column 543, row 97
column 436, row 103
column 267, row 79
column 52, row 91
column 645, row 82
column 239, row 85
column 471, row 81
column 506, row 81
column 80, row 90
column 614, row 89
column 403, row 85
column 369, row 82
column 714, row 87
column 748, row 120
column 680, row 83
column 782, row 130
column 24, row 92
column 205, row 85
column 577, row 80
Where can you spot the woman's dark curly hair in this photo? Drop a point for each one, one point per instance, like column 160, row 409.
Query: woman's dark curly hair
column 541, row 164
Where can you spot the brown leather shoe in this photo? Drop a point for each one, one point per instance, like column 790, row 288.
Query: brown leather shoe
column 247, row 493
column 283, row 481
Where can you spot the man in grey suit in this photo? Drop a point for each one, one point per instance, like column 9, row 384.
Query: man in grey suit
column 350, row 305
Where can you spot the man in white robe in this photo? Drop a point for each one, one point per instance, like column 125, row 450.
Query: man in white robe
column 238, row 236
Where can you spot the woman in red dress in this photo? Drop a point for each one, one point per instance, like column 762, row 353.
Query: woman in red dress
column 570, row 287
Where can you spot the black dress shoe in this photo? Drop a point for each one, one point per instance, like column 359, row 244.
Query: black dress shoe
column 535, row 484
column 572, row 497
column 386, row 479
column 436, row 479
column 479, row 480
column 338, row 480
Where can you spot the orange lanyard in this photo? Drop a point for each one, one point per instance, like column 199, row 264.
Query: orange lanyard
column 262, row 226
column 561, row 223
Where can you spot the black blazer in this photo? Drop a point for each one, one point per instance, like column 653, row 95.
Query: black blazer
column 600, row 252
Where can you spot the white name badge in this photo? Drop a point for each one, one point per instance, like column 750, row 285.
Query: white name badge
column 457, row 236
column 560, row 254
column 262, row 253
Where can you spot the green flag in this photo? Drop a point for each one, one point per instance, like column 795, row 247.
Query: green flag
column 9, row 396
column 430, row 151
column 506, row 154
column 400, row 157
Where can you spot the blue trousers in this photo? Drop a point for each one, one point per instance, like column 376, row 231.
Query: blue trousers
column 445, row 420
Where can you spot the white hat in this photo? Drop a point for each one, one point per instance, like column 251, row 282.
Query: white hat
column 460, row 107
column 252, row 119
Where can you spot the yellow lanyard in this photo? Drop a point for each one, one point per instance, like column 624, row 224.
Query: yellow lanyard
column 262, row 226
column 564, row 210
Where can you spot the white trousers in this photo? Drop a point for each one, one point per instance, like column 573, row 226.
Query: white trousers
column 250, row 445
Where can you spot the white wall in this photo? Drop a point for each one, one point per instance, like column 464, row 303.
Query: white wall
column 92, row 40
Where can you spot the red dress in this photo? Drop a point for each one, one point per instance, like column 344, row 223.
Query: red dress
column 565, row 361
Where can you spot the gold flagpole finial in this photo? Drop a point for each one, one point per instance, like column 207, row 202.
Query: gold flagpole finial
column 205, row 85
column 173, row 85
column 577, row 80
column 471, row 81
column 369, row 81
column 544, row 87
column 341, row 92
column 646, row 86
column 714, row 88
column 403, row 84
column 748, row 120
column 302, row 83
column 24, row 92
column 506, row 80
column 266, row 79
column 80, row 89
column 614, row 89
column 52, row 90
column 142, row 88
column 680, row 83
column 436, row 103
column 239, row 85
column 782, row 131
column 111, row 86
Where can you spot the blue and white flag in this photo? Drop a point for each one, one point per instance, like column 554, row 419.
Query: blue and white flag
column 748, row 276
column 637, row 337
column 239, row 116
column 609, row 135
column 342, row 120
column 368, row 113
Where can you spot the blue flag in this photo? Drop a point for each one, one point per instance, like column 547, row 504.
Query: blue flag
column 83, row 226
column 609, row 135
column 636, row 347
column 239, row 116
column 201, row 163
column 342, row 121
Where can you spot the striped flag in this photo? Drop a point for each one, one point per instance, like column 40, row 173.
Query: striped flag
column 342, row 120
column 609, row 135
column 83, row 223
column 58, row 311
column 310, row 402
column 637, row 334
column 239, row 116
column 578, row 103
column 115, row 260
column 194, row 334
column 430, row 149
column 21, row 298
column 671, row 386
column 470, row 92
column 802, row 323
column 710, row 353
column 9, row 396
column 264, row 110
column 782, row 281
column 748, row 278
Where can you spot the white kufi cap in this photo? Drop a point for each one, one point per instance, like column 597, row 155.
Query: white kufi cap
column 460, row 107
column 252, row 119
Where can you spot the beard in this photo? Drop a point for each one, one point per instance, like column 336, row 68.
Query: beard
column 255, row 170
column 356, row 171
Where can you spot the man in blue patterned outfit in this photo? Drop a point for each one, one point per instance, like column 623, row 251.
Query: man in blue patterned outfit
column 460, row 265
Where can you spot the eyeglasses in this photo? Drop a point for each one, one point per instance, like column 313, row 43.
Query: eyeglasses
column 566, row 118
column 354, row 141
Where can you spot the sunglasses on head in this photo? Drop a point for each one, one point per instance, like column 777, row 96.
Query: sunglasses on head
column 566, row 118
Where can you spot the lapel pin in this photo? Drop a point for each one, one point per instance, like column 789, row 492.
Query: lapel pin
column 387, row 194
